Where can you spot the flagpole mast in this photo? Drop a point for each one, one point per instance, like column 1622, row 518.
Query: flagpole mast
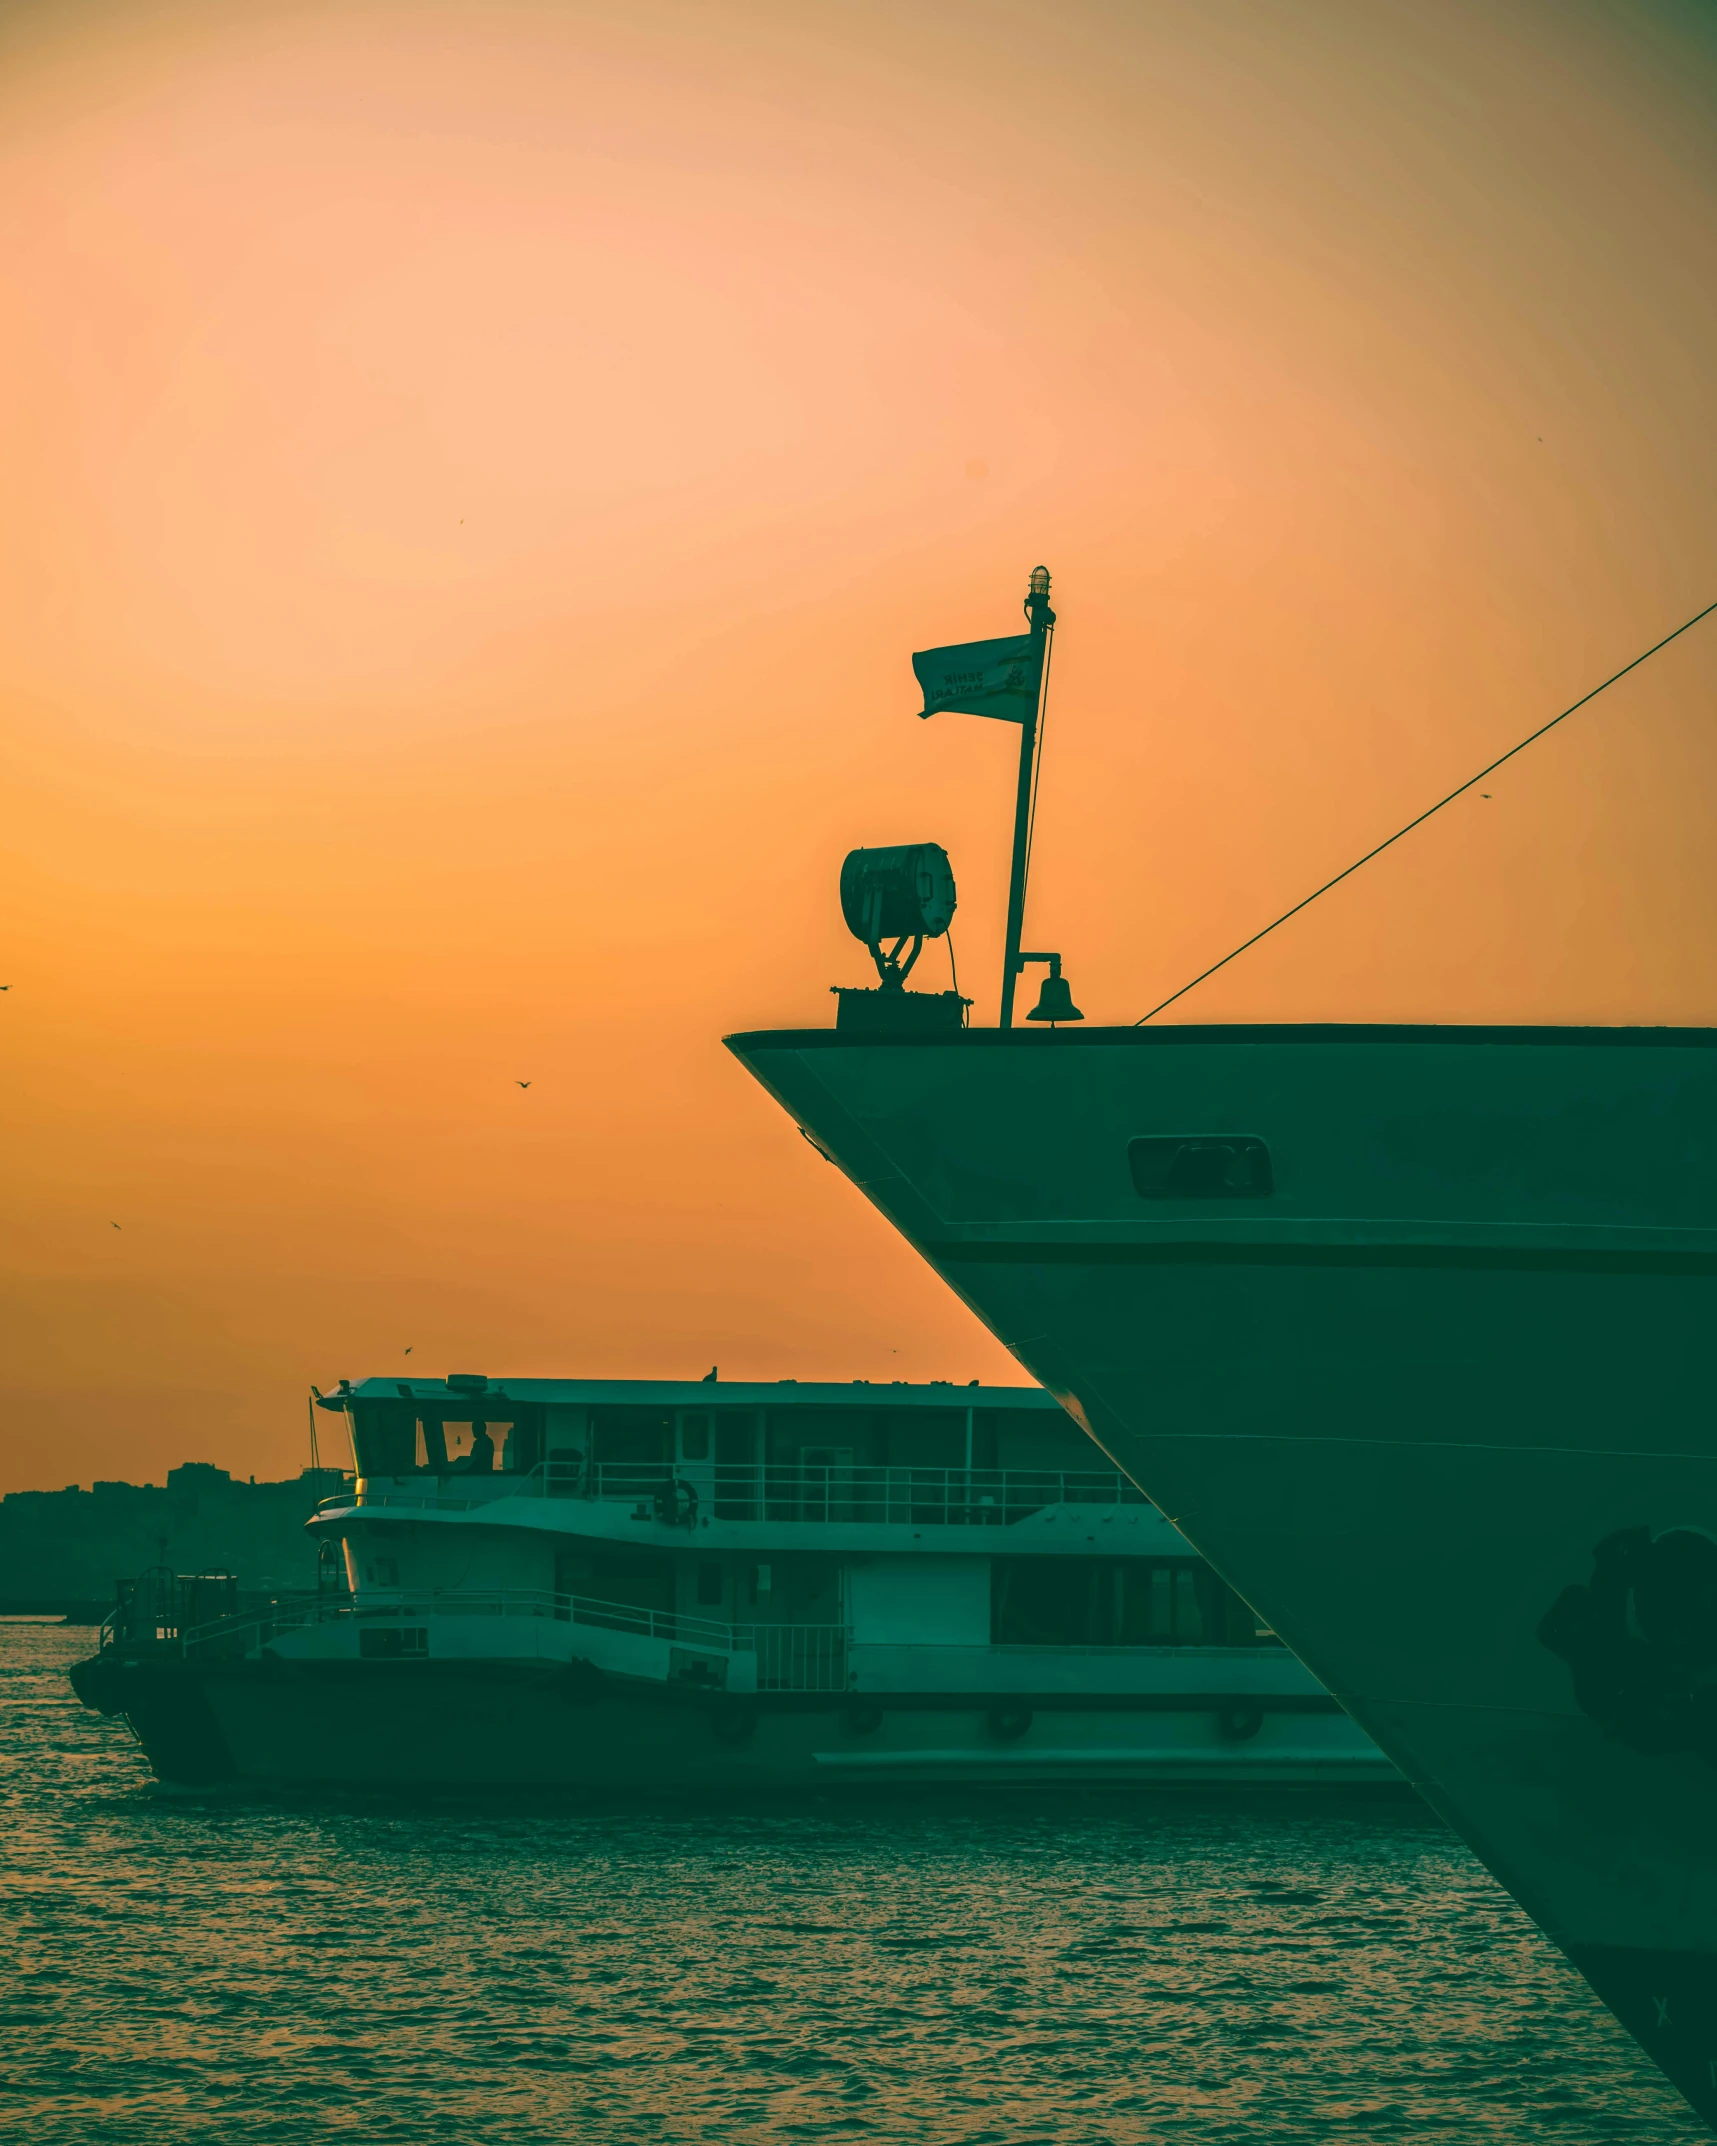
column 1042, row 623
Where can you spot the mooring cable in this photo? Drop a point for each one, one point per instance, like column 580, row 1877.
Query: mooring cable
column 1427, row 814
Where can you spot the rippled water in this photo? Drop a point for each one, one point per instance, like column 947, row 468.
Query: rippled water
column 1010, row 1968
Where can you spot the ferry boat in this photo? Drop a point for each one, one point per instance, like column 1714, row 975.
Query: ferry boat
column 632, row 1584
column 1408, row 1330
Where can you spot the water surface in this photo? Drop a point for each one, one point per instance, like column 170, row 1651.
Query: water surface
column 1007, row 1967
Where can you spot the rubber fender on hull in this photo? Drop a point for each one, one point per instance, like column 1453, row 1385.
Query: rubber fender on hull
column 1239, row 1723
column 1009, row 1722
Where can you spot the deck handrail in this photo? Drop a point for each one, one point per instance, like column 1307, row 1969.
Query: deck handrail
column 835, row 1493
column 776, row 1491
column 443, row 1501
column 677, row 1626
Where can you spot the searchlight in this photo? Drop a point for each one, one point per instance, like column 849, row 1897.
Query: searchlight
column 903, row 894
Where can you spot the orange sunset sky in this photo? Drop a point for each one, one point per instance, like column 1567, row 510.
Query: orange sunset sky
column 475, row 473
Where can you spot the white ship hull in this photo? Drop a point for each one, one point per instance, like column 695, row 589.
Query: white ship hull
column 1399, row 1402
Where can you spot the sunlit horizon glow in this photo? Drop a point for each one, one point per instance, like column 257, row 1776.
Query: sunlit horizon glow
column 477, row 473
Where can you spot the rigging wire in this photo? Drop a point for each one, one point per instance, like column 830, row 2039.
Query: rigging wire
column 1684, row 627
column 953, row 970
column 1037, row 765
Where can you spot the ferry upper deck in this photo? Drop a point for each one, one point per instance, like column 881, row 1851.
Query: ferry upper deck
column 693, row 1452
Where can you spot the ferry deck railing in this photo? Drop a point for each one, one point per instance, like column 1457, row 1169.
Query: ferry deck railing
column 775, row 1491
column 790, row 1657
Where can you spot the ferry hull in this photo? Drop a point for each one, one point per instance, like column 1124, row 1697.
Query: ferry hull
column 472, row 1725
column 1438, row 1406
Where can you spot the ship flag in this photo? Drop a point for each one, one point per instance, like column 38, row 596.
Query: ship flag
column 998, row 678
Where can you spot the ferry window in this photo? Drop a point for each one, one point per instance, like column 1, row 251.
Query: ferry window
column 694, row 1437
column 564, row 1431
column 709, row 1587
column 792, row 1429
column 522, row 1449
column 1046, row 1601
column 921, row 1437
column 632, row 1434
column 815, row 1483
column 736, row 1438
column 1228, row 1622
column 1184, row 1166
column 1115, row 1602
column 383, row 1436
column 1160, row 1605
column 736, row 1485
column 456, row 1449
column 638, row 1579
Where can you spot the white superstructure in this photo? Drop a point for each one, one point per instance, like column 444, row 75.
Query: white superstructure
column 578, row 1582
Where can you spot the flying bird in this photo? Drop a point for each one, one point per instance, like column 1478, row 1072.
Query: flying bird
column 116, row 1225
column 408, row 1352
column 521, row 1084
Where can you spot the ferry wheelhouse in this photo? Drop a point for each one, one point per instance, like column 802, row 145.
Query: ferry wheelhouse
column 655, row 1584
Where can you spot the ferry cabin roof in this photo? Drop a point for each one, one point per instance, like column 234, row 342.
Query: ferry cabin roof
column 457, row 1392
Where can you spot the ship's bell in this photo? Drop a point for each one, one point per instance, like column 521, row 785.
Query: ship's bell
column 1055, row 1000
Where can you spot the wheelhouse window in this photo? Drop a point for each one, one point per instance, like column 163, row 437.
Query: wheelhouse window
column 384, row 1437
column 468, row 1446
column 1201, row 1166
column 393, row 1438
column 1116, row 1602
